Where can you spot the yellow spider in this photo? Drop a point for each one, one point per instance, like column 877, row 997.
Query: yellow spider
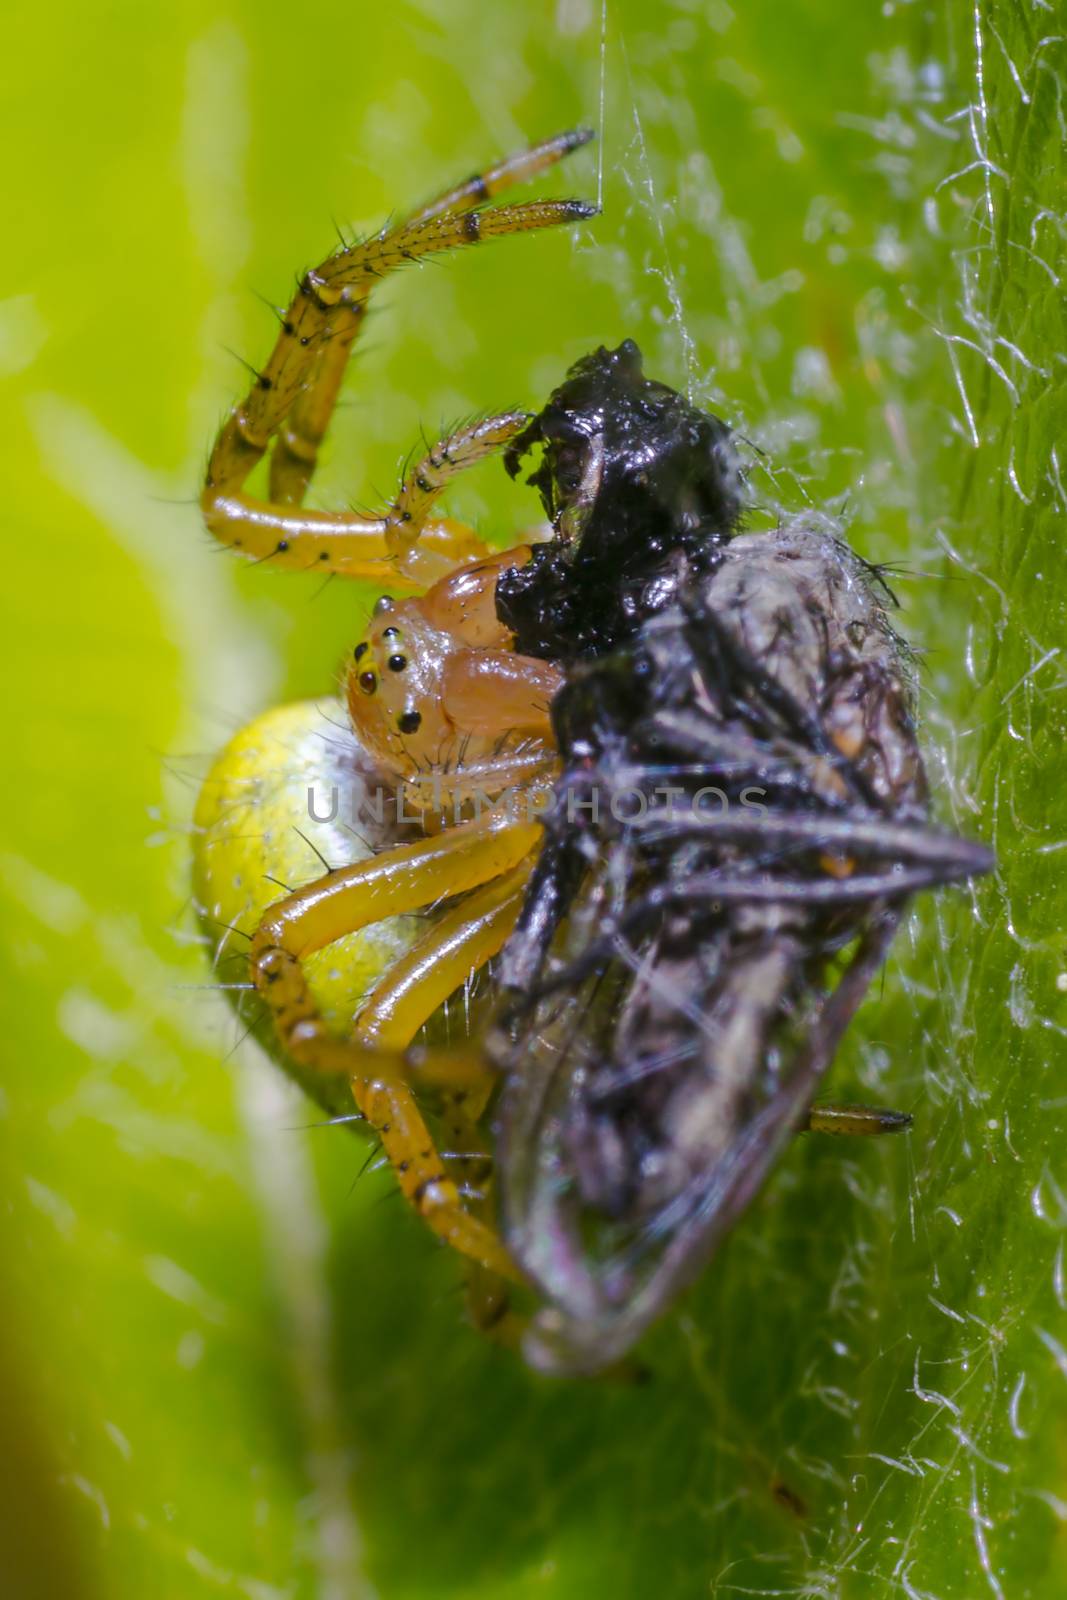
column 443, row 711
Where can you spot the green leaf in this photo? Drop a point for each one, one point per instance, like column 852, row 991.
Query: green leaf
column 224, row 1369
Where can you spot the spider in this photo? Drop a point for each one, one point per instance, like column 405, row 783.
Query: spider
column 673, row 983
column 439, row 700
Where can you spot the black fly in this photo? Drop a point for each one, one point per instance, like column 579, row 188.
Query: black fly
column 740, row 819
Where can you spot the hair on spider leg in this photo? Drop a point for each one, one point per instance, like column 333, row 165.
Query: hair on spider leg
column 173, row 500
column 261, row 378
column 464, row 1155
column 389, row 1195
column 368, row 847
column 233, row 960
column 279, row 549
column 246, row 1034
column 216, row 549
column 405, row 463
column 229, row 928
column 373, row 1162
column 365, row 508
column 347, row 245
column 469, row 1192
column 341, row 1120
column 279, row 313
column 213, row 988
column 320, row 590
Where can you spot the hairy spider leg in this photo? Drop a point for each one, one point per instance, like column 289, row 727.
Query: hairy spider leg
column 404, row 879
column 324, row 311
column 522, row 166
column 296, row 446
column 488, row 1293
column 847, row 1121
column 463, row 448
column 456, row 946
column 460, row 942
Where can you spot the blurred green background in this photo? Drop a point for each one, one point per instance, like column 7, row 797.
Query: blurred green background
column 227, row 1369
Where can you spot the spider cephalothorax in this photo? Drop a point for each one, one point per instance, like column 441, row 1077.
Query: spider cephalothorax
column 438, row 696
column 631, row 475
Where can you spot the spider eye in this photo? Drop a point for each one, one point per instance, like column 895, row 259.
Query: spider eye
column 397, row 663
column 368, row 682
column 409, row 721
column 360, row 651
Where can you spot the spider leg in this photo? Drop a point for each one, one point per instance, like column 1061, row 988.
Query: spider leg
column 488, row 1293
column 296, row 447
column 854, row 1121
column 456, row 946
column 391, row 1111
column 400, row 880
column 519, row 167
column 406, row 878
column 402, row 547
column 407, row 520
column 304, row 371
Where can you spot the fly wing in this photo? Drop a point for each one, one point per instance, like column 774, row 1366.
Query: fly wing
column 607, row 1279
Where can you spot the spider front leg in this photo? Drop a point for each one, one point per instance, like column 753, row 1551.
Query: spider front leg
column 291, row 402
column 296, row 447
column 400, row 880
column 407, row 524
column 402, row 547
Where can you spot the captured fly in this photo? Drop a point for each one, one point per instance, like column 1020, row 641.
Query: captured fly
column 740, row 819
